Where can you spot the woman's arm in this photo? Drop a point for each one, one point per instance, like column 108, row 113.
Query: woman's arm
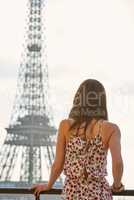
column 58, row 163
column 117, row 162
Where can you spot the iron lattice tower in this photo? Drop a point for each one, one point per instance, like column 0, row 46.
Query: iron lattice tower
column 29, row 144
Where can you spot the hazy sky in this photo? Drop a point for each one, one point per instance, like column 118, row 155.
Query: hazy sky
column 85, row 39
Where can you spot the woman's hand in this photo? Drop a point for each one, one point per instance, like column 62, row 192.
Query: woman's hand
column 117, row 189
column 38, row 188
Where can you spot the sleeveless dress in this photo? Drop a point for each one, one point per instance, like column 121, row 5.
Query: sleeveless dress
column 85, row 170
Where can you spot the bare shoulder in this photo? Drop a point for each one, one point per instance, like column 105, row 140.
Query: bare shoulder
column 65, row 122
column 64, row 125
column 111, row 128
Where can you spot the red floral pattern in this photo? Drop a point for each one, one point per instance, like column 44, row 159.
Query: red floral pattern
column 90, row 156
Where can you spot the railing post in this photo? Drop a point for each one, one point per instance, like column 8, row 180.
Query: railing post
column 37, row 198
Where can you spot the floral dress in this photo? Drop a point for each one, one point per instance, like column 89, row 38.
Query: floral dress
column 85, row 170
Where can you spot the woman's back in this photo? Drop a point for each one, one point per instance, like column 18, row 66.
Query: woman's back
column 82, row 151
column 85, row 164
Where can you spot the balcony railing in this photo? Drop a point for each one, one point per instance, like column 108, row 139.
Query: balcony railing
column 27, row 194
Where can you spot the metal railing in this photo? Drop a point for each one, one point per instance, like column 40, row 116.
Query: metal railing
column 54, row 191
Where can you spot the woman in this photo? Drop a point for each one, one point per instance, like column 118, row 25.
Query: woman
column 82, row 145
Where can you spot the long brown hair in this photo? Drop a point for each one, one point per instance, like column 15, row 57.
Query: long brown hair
column 89, row 102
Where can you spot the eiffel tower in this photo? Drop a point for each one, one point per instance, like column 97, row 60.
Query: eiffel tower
column 30, row 142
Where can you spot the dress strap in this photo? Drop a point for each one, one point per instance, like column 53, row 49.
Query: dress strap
column 77, row 130
column 100, row 122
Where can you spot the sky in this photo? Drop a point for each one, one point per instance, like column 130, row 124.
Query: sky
column 85, row 39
